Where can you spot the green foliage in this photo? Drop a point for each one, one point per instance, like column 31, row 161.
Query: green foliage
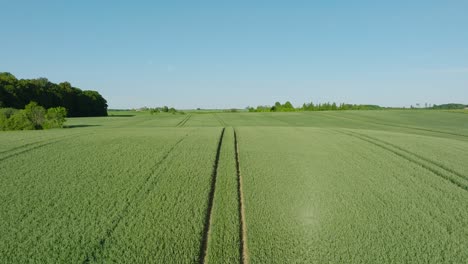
column 19, row 121
column 7, row 112
column 18, row 93
column 163, row 109
column 33, row 116
column 232, row 110
column 154, row 111
column 288, row 107
column 450, row 106
column 261, row 108
column 333, row 107
column 55, row 117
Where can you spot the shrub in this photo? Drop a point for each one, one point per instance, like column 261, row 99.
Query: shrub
column 33, row 116
column 55, row 117
column 36, row 114
column 20, row 121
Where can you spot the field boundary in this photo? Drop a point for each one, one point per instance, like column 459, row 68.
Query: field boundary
column 244, row 254
column 414, row 158
column 209, row 210
column 183, row 121
column 99, row 247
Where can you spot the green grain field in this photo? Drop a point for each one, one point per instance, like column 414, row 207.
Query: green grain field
column 385, row 186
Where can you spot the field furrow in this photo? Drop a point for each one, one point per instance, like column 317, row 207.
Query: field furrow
column 224, row 240
column 243, row 225
column 182, row 123
column 209, row 211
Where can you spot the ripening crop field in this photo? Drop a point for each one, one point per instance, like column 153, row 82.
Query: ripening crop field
column 302, row 187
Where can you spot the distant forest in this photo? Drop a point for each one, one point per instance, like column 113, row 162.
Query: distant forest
column 288, row 107
column 17, row 93
column 449, row 106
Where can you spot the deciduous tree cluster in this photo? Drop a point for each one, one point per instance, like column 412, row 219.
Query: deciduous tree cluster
column 17, row 93
column 33, row 116
column 288, row 107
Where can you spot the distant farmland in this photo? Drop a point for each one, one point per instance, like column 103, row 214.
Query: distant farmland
column 302, row 187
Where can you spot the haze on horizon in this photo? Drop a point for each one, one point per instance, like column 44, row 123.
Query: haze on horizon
column 216, row 54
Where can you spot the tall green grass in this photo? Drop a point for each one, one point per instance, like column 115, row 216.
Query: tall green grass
column 318, row 187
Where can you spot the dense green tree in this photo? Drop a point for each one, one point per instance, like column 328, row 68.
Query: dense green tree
column 33, row 116
column 155, row 111
column 287, row 107
column 55, row 117
column 19, row 121
column 18, row 93
column 450, row 106
column 5, row 114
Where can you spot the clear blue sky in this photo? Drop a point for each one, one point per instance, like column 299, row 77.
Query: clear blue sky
column 219, row 54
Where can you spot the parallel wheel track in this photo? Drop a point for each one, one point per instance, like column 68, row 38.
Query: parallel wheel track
column 32, row 146
column 209, row 210
column 243, row 227
column 455, row 178
column 182, row 123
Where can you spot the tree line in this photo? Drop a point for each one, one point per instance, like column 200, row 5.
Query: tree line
column 449, row 106
column 161, row 109
column 288, row 107
column 17, row 93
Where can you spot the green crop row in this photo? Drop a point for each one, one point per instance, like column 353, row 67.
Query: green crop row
column 224, row 238
column 165, row 223
column 61, row 199
column 325, row 187
column 319, row 196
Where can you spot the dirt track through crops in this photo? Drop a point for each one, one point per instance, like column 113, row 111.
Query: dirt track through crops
column 182, row 123
column 208, row 217
column 243, row 227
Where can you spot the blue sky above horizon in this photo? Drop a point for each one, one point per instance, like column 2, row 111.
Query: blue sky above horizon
column 223, row 54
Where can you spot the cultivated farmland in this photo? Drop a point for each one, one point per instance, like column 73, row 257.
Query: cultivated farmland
column 301, row 187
